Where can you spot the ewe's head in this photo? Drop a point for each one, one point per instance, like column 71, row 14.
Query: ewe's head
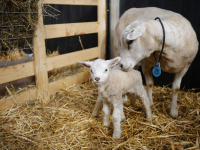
column 99, row 68
column 133, row 47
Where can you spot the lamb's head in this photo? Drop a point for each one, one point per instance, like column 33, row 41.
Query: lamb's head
column 133, row 45
column 99, row 68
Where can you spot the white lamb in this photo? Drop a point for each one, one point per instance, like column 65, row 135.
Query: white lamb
column 112, row 84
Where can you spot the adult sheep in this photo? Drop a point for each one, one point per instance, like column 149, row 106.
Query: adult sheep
column 139, row 36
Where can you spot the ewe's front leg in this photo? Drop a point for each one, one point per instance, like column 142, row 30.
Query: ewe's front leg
column 106, row 110
column 176, row 87
column 146, row 69
column 98, row 106
column 116, row 118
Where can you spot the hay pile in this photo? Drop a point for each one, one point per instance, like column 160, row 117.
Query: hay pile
column 26, row 18
column 19, row 26
column 66, row 123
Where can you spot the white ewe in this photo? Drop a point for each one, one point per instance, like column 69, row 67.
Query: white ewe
column 112, row 84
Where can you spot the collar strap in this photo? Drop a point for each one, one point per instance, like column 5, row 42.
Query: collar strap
column 158, row 60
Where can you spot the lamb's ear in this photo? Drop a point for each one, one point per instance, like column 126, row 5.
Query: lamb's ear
column 113, row 62
column 136, row 32
column 85, row 63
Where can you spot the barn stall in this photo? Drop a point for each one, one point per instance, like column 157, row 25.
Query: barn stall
column 56, row 114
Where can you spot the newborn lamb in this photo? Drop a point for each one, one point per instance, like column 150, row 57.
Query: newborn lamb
column 112, row 84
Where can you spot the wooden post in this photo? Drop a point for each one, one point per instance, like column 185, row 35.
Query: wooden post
column 102, row 28
column 114, row 17
column 40, row 62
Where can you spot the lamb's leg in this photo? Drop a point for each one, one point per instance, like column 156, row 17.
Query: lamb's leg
column 116, row 118
column 98, row 106
column 124, row 98
column 106, row 110
column 132, row 98
column 146, row 69
column 143, row 96
column 176, row 87
column 123, row 118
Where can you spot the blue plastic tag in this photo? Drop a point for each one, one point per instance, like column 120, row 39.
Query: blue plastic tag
column 156, row 70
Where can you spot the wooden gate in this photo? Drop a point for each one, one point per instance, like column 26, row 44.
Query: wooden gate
column 41, row 65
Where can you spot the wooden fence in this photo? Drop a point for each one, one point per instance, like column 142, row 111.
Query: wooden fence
column 41, row 65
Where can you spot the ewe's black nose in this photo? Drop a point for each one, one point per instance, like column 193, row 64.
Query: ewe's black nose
column 97, row 79
column 121, row 65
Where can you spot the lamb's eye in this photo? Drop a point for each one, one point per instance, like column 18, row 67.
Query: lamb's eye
column 106, row 70
column 130, row 42
column 91, row 71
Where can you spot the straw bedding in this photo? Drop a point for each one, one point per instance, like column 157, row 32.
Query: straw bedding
column 66, row 123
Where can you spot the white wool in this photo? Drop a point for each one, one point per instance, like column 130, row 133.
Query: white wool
column 112, row 84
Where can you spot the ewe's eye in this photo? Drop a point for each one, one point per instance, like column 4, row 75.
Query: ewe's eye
column 106, row 70
column 130, row 42
column 91, row 71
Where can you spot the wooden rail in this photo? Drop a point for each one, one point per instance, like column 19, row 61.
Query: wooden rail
column 41, row 65
column 72, row 2
column 70, row 29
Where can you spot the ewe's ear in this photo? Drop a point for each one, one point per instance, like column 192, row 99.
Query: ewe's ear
column 113, row 62
column 136, row 32
column 85, row 63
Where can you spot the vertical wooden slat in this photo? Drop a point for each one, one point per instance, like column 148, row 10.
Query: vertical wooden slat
column 40, row 62
column 102, row 28
column 114, row 17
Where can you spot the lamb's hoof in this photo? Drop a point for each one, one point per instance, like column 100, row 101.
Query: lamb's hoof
column 123, row 119
column 150, row 119
column 106, row 124
column 116, row 135
column 174, row 113
column 95, row 114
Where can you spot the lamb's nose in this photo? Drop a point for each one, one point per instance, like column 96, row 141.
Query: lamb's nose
column 97, row 79
column 121, row 65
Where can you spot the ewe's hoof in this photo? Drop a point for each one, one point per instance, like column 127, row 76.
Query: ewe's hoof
column 174, row 113
column 116, row 135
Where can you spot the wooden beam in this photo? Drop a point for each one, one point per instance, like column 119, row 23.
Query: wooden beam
column 102, row 28
column 70, row 29
column 31, row 95
column 24, row 97
column 27, row 69
column 15, row 72
column 71, row 2
column 114, row 17
column 72, row 58
column 40, row 62
column 69, row 81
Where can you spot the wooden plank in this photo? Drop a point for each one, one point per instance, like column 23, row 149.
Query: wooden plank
column 40, row 62
column 114, row 17
column 102, row 28
column 27, row 69
column 15, row 72
column 70, row 29
column 31, row 95
column 72, row 58
column 69, row 81
column 71, row 2
column 20, row 98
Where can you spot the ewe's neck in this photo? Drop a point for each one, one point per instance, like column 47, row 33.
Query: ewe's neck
column 154, row 29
